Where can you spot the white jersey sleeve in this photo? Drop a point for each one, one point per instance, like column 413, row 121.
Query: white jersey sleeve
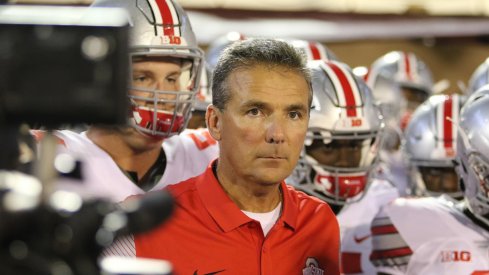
column 442, row 238
column 355, row 220
column 187, row 155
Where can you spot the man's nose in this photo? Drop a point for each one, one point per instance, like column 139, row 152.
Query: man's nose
column 275, row 130
column 346, row 158
column 162, row 86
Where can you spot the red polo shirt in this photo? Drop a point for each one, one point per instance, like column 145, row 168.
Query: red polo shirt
column 208, row 234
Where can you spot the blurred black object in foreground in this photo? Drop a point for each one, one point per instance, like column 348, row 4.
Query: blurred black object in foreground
column 66, row 235
column 63, row 65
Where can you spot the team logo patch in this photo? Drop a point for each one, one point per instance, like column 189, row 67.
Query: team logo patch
column 312, row 268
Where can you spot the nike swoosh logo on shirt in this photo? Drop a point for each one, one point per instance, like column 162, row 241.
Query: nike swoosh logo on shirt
column 211, row 273
column 361, row 239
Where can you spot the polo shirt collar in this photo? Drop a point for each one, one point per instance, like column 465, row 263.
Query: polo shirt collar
column 226, row 213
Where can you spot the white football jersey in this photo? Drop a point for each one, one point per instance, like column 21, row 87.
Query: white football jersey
column 442, row 238
column 354, row 220
column 187, row 155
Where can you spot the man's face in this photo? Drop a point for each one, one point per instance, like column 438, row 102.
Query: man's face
column 413, row 97
column 152, row 73
column 264, row 123
column 161, row 94
column 197, row 120
column 156, row 73
column 344, row 153
column 439, row 179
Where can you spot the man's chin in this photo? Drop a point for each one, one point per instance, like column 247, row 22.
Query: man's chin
column 152, row 137
column 134, row 131
column 271, row 178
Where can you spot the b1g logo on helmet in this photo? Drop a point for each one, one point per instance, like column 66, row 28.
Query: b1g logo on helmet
column 312, row 268
column 168, row 40
column 172, row 39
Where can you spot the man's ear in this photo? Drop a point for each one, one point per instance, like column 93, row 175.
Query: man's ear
column 213, row 117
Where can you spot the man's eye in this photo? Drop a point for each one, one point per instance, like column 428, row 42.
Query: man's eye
column 139, row 78
column 254, row 112
column 295, row 115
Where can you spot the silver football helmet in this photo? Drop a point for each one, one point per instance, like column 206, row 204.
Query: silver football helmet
column 406, row 69
column 217, row 47
column 343, row 137
column 161, row 30
column 389, row 97
column 411, row 74
column 473, row 153
column 204, row 96
column 479, row 77
column 430, row 146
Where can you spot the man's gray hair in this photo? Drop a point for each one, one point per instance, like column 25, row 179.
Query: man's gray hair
column 252, row 52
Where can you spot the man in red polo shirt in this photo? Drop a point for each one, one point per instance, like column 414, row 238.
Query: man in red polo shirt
column 239, row 217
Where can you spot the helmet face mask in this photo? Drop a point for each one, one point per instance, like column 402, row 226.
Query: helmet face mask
column 340, row 164
column 344, row 136
column 160, row 32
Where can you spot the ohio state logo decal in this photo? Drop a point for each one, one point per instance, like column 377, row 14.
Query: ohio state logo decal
column 312, row 268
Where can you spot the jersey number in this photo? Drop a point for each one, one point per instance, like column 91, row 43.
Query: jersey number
column 202, row 141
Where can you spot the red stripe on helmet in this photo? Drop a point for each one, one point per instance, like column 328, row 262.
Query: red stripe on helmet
column 407, row 67
column 367, row 75
column 351, row 105
column 447, row 123
column 166, row 17
column 316, row 55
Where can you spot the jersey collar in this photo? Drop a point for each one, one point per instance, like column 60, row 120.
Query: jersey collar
column 227, row 214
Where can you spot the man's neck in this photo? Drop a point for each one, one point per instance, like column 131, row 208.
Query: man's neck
column 249, row 195
column 127, row 157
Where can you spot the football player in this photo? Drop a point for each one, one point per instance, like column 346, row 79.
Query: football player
column 339, row 157
column 154, row 150
column 454, row 234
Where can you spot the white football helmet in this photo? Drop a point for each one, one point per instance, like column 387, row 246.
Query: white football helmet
column 161, row 28
column 473, row 153
column 430, row 146
column 479, row 77
column 343, row 138
column 313, row 50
